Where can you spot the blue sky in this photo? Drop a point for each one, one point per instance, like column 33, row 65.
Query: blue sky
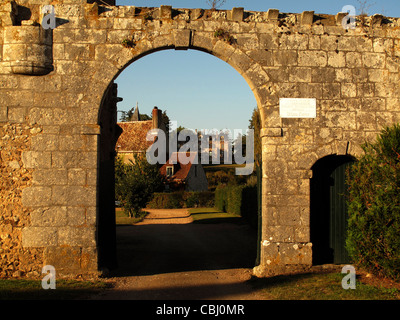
column 198, row 90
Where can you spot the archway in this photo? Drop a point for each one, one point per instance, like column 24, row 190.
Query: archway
column 108, row 137
column 328, row 209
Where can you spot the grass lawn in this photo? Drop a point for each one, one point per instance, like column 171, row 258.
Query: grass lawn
column 212, row 215
column 123, row 219
column 320, row 286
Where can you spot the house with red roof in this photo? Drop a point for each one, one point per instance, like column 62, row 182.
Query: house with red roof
column 182, row 172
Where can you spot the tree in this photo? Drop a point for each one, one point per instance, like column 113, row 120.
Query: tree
column 135, row 183
column 165, row 120
column 215, row 4
column 373, row 240
column 127, row 115
column 255, row 124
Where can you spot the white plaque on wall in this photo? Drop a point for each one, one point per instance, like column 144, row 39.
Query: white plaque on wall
column 297, row 108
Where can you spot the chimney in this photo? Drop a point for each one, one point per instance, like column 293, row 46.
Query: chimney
column 156, row 118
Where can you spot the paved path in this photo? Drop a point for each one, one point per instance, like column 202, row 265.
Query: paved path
column 167, row 257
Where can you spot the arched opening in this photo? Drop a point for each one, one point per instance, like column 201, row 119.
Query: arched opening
column 328, row 209
column 110, row 131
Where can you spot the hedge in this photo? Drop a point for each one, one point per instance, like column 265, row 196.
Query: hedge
column 373, row 239
column 182, row 199
column 240, row 200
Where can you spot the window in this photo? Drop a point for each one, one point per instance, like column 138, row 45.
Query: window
column 170, row 171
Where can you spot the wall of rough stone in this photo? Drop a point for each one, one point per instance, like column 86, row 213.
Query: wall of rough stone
column 52, row 85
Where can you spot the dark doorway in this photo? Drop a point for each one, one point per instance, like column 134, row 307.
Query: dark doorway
column 109, row 133
column 328, row 210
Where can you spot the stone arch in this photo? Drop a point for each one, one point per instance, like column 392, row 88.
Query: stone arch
column 118, row 59
column 110, row 69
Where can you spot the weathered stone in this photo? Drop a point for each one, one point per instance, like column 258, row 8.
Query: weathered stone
column 307, row 17
column 237, row 14
column 165, row 12
column 273, row 14
column 52, row 139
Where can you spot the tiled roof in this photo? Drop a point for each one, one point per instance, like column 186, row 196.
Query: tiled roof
column 180, row 170
column 133, row 137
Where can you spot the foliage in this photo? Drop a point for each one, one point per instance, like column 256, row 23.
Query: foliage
column 128, row 43
column 127, row 115
column 373, row 238
column 255, row 124
column 224, row 35
column 225, row 175
column 135, row 183
column 182, row 199
column 240, row 200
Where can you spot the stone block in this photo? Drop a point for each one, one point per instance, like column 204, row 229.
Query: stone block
column 39, row 236
column 339, row 17
column 49, row 217
column 36, row 196
column 66, row 260
column 196, row 14
column 374, row 60
column 315, row 58
column 36, row 159
column 165, row 12
column 47, row 177
column 237, row 14
column 271, row 132
column 3, row 114
column 76, row 216
column 272, row 14
column 45, row 142
column 307, row 17
column 336, row 59
column 183, row 39
column 77, row 236
column 76, row 177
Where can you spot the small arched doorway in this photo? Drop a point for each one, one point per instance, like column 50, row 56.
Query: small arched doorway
column 328, row 209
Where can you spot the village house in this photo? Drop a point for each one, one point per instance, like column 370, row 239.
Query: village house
column 132, row 141
column 182, row 176
column 133, row 138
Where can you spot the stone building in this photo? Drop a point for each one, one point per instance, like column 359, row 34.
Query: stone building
column 58, row 128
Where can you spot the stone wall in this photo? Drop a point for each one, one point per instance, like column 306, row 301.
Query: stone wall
column 52, row 91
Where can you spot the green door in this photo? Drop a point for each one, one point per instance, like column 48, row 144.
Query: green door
column 338, row 214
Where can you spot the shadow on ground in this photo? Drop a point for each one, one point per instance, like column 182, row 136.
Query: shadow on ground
column 166, row 248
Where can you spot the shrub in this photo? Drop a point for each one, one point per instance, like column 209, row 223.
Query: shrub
column 135, row 184
column 181, row 199
column 166, row 200
column 240, row 200
column 373, row 240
